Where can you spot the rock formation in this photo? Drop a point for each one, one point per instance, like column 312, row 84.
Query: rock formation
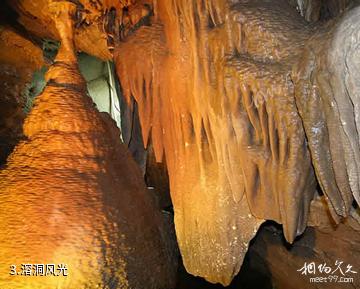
column 71, row 194
column 327, row 95
column 19, row 58
column 250, row 103
column 218, row 101
column 216, row 95
column 315, row 10
column 326, row 253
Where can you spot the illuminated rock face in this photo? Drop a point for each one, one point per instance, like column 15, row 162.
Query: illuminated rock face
column 235, row 94
column 213, row 88
column 71, row 194
column 216, row 89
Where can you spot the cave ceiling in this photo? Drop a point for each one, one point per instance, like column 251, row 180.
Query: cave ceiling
column 96, row 20
column 240, row 99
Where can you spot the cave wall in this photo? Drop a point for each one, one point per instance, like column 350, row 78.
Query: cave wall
column 235, row 97
column 19, row 59
column 320, row 10
column 325, row 256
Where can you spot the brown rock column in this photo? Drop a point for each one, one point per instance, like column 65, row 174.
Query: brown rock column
column 71, row 194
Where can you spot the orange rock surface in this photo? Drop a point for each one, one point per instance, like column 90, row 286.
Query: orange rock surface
column 211, row 81
column 19, row 58
column 71, row 194
column 216, row 94
column 245, row 101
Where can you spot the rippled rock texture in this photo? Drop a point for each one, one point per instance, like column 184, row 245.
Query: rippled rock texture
column 315, row 10
column 246, row 101
column 71, row 194
column 215, row 82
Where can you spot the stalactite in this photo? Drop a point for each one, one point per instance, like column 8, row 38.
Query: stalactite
column 89, row 35
column 327, row 85
column 233, row 95
column 211, row 79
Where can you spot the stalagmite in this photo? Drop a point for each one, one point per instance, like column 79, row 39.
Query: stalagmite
column 71, row 195
column 248, row 102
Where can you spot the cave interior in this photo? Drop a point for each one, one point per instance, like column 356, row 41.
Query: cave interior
column 183, row 144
